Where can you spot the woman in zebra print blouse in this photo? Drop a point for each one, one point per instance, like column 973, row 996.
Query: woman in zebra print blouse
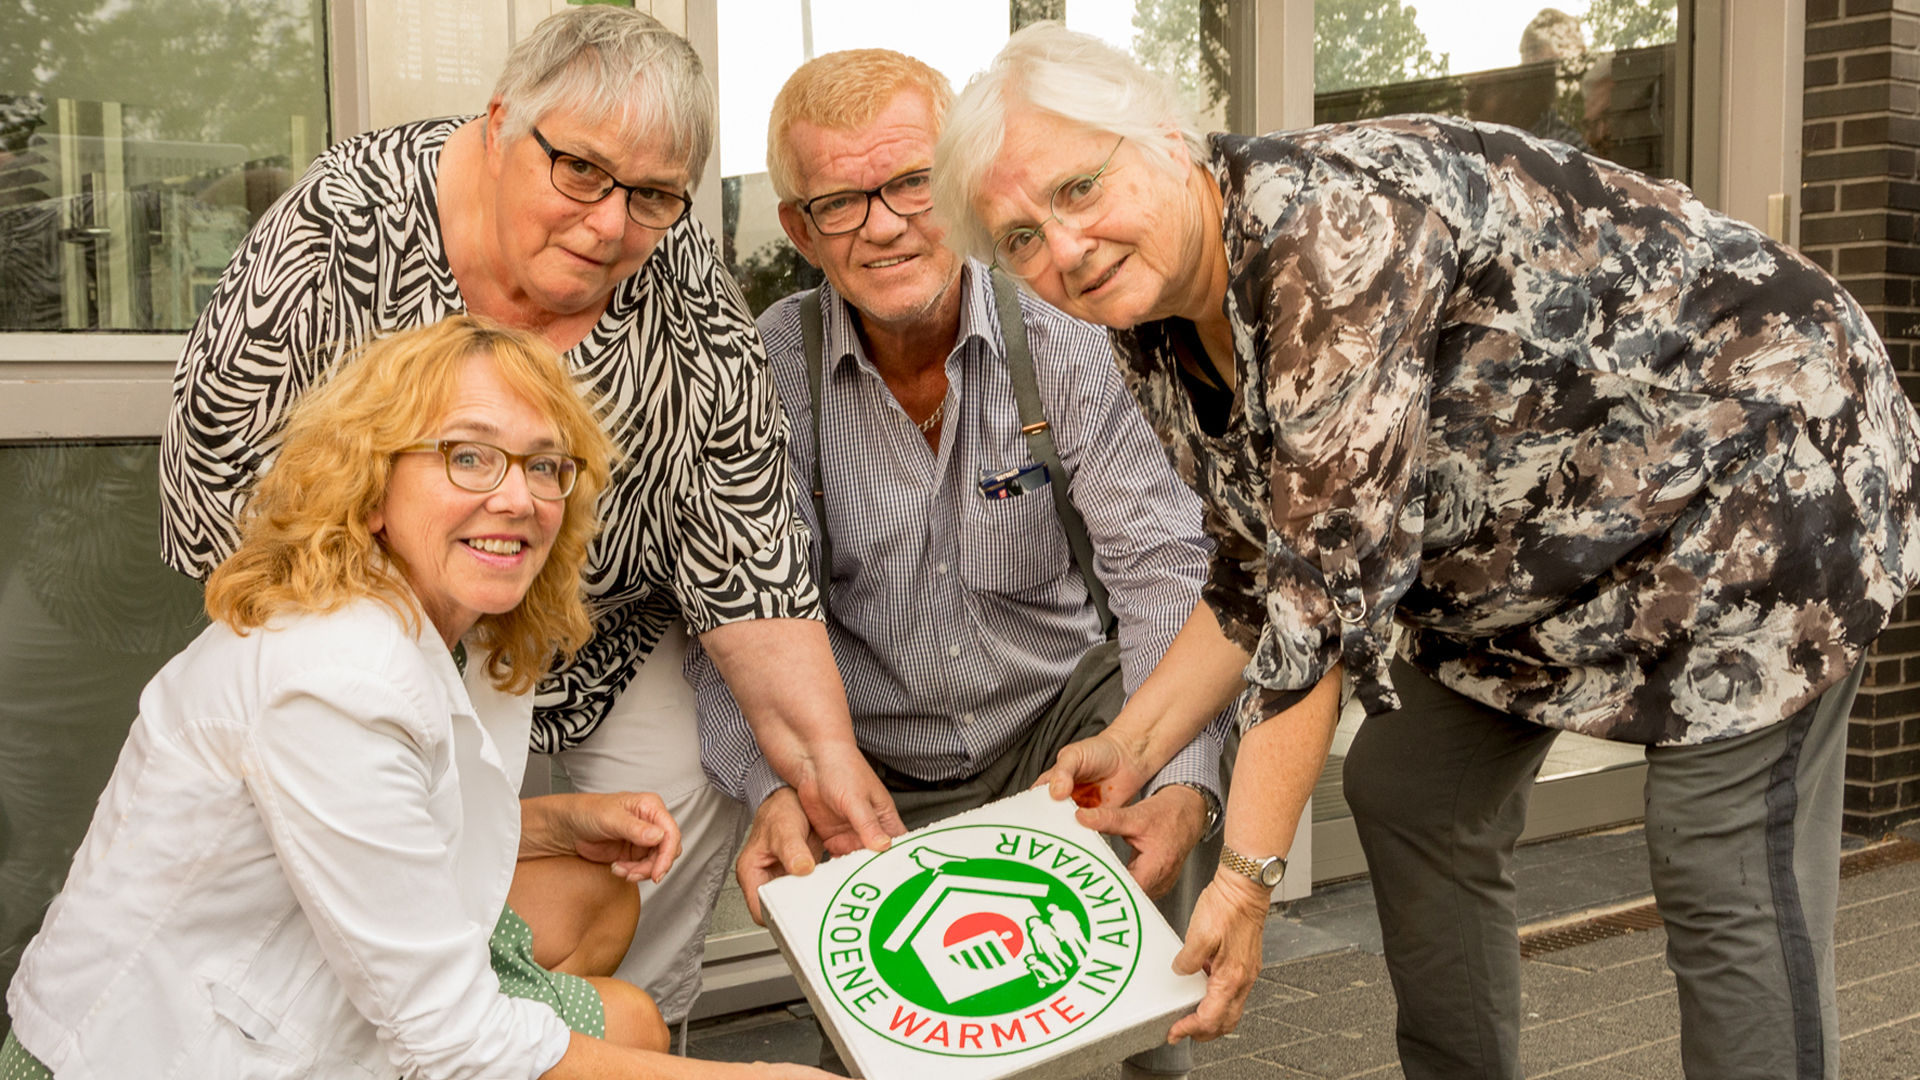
column 563, row 211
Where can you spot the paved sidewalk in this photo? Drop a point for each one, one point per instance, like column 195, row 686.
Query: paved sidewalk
column 1598, row 1011
column 1601, row 1011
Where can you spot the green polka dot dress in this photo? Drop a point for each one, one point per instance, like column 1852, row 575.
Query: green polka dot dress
column 17, row 1064
column 573, row 998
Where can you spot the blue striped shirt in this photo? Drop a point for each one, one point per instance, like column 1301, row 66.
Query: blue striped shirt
column 956, row 619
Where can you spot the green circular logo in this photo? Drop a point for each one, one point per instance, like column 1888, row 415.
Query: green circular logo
column 980, row 940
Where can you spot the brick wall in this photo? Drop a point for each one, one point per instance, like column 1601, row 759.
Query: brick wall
column 1860, row 219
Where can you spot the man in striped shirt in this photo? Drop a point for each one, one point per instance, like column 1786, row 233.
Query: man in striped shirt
column 970, row 643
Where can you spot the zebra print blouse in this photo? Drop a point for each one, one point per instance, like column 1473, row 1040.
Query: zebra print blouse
column 699, row 519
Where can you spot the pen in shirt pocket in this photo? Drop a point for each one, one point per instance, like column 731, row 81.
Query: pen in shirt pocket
column 1015, row 481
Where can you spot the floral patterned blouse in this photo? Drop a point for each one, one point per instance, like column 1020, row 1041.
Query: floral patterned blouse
column 1617, row 463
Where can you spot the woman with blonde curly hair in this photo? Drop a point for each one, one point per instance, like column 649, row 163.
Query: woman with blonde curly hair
column 302, row 864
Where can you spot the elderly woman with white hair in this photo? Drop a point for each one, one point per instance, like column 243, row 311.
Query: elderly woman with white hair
column 1515, row 441
column 563, row 210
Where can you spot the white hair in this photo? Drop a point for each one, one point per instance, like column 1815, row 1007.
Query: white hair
column 609, row 65
column 1074, row 76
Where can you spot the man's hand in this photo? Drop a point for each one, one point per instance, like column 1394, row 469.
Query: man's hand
column 1224, row 940
column 1103, row 767
column 846, row 804
column 778, row 844
column 631, row 831
column 1161, row 828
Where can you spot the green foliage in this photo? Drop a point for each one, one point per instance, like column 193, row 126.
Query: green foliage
column 1626, row 24
column 773, row 271
column 1166, row 39
column 188, row 70
column 1369, row 43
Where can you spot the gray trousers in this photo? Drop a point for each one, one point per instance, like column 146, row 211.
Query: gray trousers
column 1743, row 839
column 1088, row 702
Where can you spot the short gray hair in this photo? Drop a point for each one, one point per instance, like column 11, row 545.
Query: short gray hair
column 614, row 65
column 1074, row 76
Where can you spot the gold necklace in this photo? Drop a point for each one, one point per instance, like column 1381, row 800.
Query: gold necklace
column 938, row 412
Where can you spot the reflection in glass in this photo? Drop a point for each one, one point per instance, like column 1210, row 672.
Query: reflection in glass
column 1605, row 82
column 88, row 613
column 138, row 142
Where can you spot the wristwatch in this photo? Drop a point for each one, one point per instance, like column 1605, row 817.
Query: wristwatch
column 1267, row 871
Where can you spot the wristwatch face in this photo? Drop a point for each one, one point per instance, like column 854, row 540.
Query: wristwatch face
column 1272, row 872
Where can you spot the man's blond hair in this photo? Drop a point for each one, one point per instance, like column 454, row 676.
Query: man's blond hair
column 843, row 91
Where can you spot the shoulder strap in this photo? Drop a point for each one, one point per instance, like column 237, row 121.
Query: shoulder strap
column 813, row 331
column 1033, row 424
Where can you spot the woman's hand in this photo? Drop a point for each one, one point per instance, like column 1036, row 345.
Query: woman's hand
column 630, row 831
column 779, row 843
column 1224, row 940
column 1104, row 770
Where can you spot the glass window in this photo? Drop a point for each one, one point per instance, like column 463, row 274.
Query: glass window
column 88, row 614
column 763, row 41
column 1600, row 75
column 138, row 142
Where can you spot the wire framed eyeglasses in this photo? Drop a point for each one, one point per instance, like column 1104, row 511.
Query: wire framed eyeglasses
column 1077, row 203
column 481, row 467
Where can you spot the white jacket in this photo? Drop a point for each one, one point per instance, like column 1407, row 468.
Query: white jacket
column 295, row 870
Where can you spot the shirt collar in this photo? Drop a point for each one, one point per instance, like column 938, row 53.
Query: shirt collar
column 978, row 321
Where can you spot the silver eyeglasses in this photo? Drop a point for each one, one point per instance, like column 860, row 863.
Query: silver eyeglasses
column 838, row 212
column 481, row 467
column 583, row 181
column 1077, row 203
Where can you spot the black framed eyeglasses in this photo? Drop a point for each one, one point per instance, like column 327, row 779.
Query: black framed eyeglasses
column 481, row 467
column 1077, row 203
column 583, row 181
column 839, row 212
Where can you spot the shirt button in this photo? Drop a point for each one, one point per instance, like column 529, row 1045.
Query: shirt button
column 942, row 568
column 953, row 650
column 966, row 720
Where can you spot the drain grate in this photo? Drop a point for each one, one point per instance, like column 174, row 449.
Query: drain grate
column 1647, row 917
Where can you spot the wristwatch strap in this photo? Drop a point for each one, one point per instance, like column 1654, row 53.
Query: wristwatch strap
column 1252, row 868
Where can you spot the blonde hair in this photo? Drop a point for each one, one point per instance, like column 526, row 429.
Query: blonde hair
column 843, row 91
column 1075, row 76
column 613, row 65
column 304, row 542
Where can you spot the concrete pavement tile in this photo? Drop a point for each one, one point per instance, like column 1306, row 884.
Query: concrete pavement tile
column 1290, row 939
column 1876, row 916
column 1887, row 999
column 1611, row 952
column 1893, row 950
column 1255, row 1033
column 1267, row 994
column 1904, row 877
column 1245, row 1068
column 1660, row 1061
column 1348, row 894
column 1361, row 1009
column 1546, row 1002
column 1348, row 1053
column 1888, row 1053
column 1328, row 974
column 1595, row 1035
column 1569, row 885
column 783, row 1040
column 1589, row 1071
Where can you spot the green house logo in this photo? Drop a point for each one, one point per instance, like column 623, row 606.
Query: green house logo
column 980, row 940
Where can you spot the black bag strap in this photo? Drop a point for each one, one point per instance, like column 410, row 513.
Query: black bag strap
column 813, row 331
column 1033, row 424
column 1039, row 433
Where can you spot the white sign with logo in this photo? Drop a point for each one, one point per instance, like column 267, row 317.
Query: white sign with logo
column 988, row 946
